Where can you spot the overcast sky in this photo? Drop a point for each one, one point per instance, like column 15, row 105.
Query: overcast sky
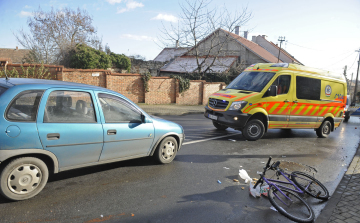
column 319, row 33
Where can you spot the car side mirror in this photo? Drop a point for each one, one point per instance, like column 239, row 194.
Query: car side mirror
column 145, row 119
column 272, row 90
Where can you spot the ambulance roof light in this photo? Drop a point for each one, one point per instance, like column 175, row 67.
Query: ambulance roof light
column 286, row 65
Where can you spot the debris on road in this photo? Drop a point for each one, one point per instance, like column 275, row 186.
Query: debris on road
column 263, row 162
column 283, row 156
column 244, row 175
column 226, row 168
column 272, row 208
column 219, row 181
column 243, row 188
column 232, row 140
column 235, row 180
column 101, row 216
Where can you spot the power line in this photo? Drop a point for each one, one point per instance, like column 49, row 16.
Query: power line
column 332, row 64
column 302, row 46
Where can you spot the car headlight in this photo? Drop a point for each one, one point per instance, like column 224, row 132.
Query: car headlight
column 238, row 105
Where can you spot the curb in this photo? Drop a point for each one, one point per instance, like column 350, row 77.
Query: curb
column 327, row 212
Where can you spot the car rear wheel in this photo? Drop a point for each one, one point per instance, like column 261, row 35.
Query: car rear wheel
column 253, row 130
column 23, row 178
column 219, row 126
column 166, row 151
column 324, row 130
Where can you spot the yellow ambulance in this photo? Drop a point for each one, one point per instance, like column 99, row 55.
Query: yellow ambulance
column 279, row 96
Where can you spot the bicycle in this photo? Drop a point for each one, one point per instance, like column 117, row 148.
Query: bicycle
column 287, row 200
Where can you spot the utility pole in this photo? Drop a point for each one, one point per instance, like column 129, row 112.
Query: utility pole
column 281, row 39
column 347, row 81
column 357, row 77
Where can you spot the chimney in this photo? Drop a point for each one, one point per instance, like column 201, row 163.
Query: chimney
column 237, row 30
column 264, row 36
column 253, row 38
column 246, row 34
column 17, row 47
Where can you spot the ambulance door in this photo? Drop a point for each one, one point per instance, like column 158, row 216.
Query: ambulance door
column 306, row 103
column 278, row 106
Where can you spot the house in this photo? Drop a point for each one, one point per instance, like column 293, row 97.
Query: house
column 217, row 53
column 170, row 53
column 16, row 56
column 274, row 49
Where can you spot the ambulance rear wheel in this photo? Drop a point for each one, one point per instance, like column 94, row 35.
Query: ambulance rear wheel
column 324, row 130
column 219, row 126
column 253, row 130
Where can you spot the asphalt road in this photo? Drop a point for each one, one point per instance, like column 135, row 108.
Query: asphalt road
column 187, row 190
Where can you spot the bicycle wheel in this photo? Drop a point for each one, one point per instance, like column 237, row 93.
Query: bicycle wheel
column 310, row 185
column 291, row 206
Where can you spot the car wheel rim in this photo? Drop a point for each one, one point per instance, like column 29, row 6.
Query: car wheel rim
column 326, row 129
column 168, row 150
column 253, row 130
column 24, row 179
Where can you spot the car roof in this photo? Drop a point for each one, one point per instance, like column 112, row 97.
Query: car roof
column 46, row 83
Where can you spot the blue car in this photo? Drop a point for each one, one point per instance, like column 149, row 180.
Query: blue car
column 51, row 126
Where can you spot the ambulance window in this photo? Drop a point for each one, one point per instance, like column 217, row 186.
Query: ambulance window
column 283, row 84
column 308, row 88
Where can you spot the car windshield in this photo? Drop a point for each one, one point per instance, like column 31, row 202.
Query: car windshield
column 251, row 81
column 2, row 90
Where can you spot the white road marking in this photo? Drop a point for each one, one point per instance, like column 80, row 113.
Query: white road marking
column 203, row 140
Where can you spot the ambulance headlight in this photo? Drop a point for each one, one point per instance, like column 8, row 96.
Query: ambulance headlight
column 238, row 105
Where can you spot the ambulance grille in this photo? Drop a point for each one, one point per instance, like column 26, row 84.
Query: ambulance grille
column 218, row 104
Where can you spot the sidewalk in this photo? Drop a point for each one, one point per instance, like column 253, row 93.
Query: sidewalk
column 172, row 109
column 344, row 204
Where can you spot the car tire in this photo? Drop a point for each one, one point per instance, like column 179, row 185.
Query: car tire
column 253, row 130
column 324, row 130
column 23, row 178
column 219, row 126
column 167, row 150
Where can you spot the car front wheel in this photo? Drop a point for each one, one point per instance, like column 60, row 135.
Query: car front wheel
column 166, row 151
column 253, row 130
column 23, row 178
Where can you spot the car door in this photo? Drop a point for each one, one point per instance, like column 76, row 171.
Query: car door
column 278, row 106
column 68, row 126
column 125, row 133
column 306, row 103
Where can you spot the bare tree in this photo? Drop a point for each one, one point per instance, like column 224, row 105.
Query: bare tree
column 55, row 33
column 198, row 21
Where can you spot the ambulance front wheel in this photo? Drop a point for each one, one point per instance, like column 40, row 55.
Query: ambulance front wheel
column 253, row 130
column 219, row 126
column 324, row 130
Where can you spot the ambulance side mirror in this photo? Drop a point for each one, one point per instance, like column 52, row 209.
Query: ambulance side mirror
column 272, row 90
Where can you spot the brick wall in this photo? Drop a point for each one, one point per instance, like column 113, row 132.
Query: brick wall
column 209, row 89
column 162, row 90
column 94, row 77
column 129, row 85
column 52, row 69
column 193, row 96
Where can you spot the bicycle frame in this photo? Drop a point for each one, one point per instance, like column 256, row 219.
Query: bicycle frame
column 278, row 186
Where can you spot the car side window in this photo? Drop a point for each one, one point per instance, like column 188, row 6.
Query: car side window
column 283, row 84
column 69, row 107
column 117, row 110
column 24, row 106
column 308, row 88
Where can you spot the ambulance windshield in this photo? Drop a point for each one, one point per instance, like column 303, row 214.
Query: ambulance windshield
column 251, row 81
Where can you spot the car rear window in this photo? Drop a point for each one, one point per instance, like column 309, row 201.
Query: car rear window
column 2, row 90
column 24, row 106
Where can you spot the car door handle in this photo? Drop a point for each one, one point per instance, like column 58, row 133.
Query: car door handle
column 295, row 101
column 111, row 132
column 286, row 101
column 53, row 136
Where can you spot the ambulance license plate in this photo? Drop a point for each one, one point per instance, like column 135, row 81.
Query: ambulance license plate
column 212, row 116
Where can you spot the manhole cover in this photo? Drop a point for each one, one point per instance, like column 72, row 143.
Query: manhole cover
column 292, row 166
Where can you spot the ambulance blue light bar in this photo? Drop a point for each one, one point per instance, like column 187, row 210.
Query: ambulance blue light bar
column 286, row 65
